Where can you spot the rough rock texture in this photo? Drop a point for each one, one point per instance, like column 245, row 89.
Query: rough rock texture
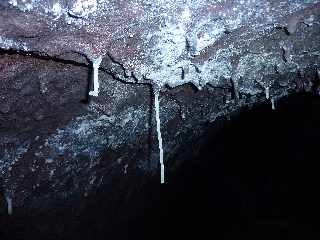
column 208, row 58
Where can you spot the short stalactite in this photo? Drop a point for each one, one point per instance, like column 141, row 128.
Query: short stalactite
column 9, row 205
column 235, row 85
column 95, row 63
column 267, row 91
column 273, row 105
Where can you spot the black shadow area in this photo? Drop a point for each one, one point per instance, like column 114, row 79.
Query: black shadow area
column 257, row 178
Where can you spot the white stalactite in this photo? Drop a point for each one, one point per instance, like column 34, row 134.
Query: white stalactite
column 95, row 63
column 235, row 88
column 267, row 91
column 9, row 204
column 157, row 110
column 273, row 106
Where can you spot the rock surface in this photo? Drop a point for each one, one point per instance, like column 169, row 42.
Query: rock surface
column 208, row 58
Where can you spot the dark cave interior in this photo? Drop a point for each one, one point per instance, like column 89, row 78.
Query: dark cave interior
column 100, row 99
column 255, row 177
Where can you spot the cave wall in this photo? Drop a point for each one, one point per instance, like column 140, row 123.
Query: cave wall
column 209, row 59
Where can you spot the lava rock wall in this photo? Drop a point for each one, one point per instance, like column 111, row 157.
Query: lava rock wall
column 208, row 58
